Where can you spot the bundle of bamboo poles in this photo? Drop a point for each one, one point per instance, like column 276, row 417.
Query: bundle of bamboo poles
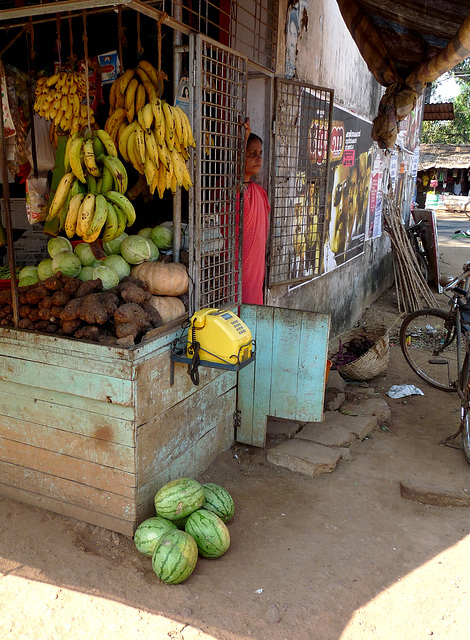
column 413, row 292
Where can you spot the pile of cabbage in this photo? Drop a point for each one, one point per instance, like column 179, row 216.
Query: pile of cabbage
column 79, row 262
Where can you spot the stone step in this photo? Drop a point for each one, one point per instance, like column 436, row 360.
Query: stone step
column 329, row 435
column 301, row 456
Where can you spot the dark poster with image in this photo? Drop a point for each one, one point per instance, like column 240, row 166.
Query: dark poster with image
column 351, row 151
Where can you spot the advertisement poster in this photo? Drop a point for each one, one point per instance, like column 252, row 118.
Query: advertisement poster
column 374, row 229
column 351, row 153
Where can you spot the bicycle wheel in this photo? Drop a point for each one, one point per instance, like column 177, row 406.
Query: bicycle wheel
column 465, row 409
column 430, row 348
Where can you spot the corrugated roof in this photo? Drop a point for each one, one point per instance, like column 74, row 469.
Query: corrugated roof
column 444, row 156
column 439, row 111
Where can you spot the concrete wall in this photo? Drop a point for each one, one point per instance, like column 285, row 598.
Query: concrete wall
column 327, row 56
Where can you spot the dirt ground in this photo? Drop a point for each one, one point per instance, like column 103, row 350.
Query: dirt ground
column 339, row 557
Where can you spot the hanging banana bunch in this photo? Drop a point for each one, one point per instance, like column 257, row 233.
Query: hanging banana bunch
column 150, row 134
column 90, row 199
column 59, row 99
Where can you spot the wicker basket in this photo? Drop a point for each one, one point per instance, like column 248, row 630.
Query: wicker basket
column 370, row 364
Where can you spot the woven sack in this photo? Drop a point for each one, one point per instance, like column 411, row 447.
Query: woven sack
column 373, row 362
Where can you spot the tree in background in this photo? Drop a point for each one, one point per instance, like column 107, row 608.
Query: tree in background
column 455, row 131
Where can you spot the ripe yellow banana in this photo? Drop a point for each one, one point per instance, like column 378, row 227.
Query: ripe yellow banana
column 107, row 142
column 85, row 214
column 178, row 125
column 112, row 96
column 133, row 153
column 120, row 200
column 191, row 141
column 72, row 214
column 150, row 71
column 60, row 195
column 129, row 102
column 140, row 142
column 52, row 80
column 161, row 183
column 70, row 139
column 139, row 98
column 111, row 225
column 169, row 125
column 150, row 169
column 187, row 182
column 114, row 121
column 74, row 189
column 164, row 157
column 124, row 80
column 177, row 166
column 159, row 121
column 147, row 115
column 124, row 138
column 143, row 75
column 75, row 158
column 151, row 147
column 99, row 219
column 89, row 159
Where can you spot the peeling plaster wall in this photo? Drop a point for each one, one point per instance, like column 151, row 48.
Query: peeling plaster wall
column 327, row 56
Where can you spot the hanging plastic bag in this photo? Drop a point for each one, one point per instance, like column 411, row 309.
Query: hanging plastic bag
column 37, row 197
column 45, row 152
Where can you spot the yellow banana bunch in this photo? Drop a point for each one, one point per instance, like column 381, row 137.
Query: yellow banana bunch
column 59, row 97
column 149, row 133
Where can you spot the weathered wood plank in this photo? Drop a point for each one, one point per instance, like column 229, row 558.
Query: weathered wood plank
column 87, row 384
column 126, row 527
column 312, row 366
column 69, row 467
column 166, row 437
column 92, row 419
column 255, row 380
column 154, row 393
column 74, row 493
column 285, row 363
column 65, row 400
column 97, row 450
column 190, row 463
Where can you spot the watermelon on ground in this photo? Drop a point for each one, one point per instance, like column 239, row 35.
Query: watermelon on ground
column 175, row 556
column 149, row 531
column 179, row 498
column 210, row 532
column 218, row 500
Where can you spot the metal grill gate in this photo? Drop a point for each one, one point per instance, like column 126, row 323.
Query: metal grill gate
column 220, row 76
column 303, row 116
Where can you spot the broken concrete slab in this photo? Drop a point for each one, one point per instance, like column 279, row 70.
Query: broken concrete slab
column 436, row 496
column 361, row 426
column 304, row 457
column 329, row 435
column 371, row 407
column 335, row 381
column 333, row 399
column 279, row 428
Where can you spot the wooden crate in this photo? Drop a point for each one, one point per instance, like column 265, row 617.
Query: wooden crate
column 92, row 432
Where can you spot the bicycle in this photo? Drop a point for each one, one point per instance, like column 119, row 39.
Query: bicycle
column 417, row 234
column 436, row 345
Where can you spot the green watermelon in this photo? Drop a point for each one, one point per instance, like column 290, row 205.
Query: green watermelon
column 218, row 500
column 175, row 556
column 180, row 522
column 211, row 534
column 148, row 532
column 179, row 498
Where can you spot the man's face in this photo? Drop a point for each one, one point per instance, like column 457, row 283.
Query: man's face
column 253, row 158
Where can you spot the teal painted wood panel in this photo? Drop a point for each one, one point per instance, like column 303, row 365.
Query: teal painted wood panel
column 288, row 379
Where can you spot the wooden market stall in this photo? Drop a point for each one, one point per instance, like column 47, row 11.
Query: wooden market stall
column 92, row 431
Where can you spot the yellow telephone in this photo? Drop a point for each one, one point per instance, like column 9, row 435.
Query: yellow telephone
column 221, row 335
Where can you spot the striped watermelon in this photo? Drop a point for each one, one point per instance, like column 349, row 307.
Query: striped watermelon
column 211, row 534
column 175, row 556
column 218, row 500
column 148, row 532
column 179, row 498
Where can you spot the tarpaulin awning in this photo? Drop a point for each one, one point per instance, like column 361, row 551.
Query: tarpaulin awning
column 406, row 44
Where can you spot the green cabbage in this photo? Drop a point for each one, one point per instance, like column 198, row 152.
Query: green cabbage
column 86, row 273
column 154, row 252
column 162, row 237
column 66, row 262
column 27, row 280
column 114, row 246
column 58, row 244
column 84, row 254
column 118, row 264
column 135, row 249
column 28, row 271
column 145, row 232
column 45, row 269
column 108, row 276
